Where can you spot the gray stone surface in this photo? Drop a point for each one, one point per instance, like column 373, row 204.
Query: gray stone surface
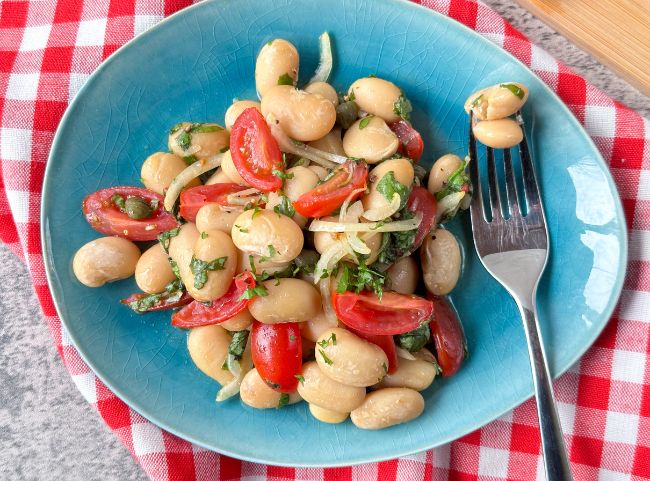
column 47, row 430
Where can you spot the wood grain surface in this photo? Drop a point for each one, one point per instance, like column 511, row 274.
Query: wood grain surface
column 616, row 32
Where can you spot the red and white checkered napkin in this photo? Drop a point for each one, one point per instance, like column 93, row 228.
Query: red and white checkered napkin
column 47, row 51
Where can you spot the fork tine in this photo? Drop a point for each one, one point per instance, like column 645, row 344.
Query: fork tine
column 528, row 170
column 495, row 198
column 476, row 206
column 511, row 187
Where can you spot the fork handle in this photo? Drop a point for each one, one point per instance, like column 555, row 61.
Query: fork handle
column 555, row 456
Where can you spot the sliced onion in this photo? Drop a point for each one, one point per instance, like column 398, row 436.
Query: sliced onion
column 243, row 197
column 449, row 205
column 325, row 286
column 384, row 212
column 229, row 390
column 233, row 365
column 328, row 259
column 325, row 64
column 326, row 159
column 318, row 225
column 352, row 214
column 186, row 176
column 404, row 354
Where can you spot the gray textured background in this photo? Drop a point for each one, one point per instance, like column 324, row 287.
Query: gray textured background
column 47, row 430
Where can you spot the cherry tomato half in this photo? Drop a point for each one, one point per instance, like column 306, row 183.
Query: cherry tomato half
column 196, row 197
column 255, row 152
column 105, row 216
column 221, row 309
column 277, row 354
column 410, row 140
column 448, row 336
column 394, row 314
column 386, row 343
column 330, row 195
column 423, row 201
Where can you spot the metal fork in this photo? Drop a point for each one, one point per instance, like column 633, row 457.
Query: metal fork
column 515, row 250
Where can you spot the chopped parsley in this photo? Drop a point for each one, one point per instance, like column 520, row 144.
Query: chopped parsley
column 292, row 337
column 204, row 235
column 271, row 384
column 200, row 269
column 457, row 181
column 282, row 174
column 383, row 364
column 147, row 302
column 257, row 291
column 272, row 252
column 389, row 186
column 238, row 343
column 119, row 201
column 363, row 123
column 190, row 159
column 402, row 107
column 285, row 207
column 476, row 101
column 300, row 378
column 285, row 79
column 183, row 140
column 351, row 95
column 174, row 267
column 360, row 278
column 414, row 340
column 256, row 211
column 165, row 237
column 327, row 360
column 514, row 89
column 241, row 229
column 284, row 400
column 326, row 342
column 396, row 245
column 204, row 128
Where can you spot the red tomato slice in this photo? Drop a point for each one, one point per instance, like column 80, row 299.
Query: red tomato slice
column 423, row 201
column 277, row 354
column 386, row 343
column 196, row 197
column 220, row 310
column 255, row 152
column 410, row 140
column 394, row 314
column 104, row 216
column 330, row 195
column 161, row 305
column 448, row 336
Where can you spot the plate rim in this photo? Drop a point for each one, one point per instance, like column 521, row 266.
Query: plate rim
column 355, row 459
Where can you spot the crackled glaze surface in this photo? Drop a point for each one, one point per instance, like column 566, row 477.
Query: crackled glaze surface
column 122, row 115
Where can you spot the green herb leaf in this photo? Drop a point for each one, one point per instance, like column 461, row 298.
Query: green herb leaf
column 327, row 360
column 269, row 42
column 365, row 121
column 165, row 237
column 238, row 343
column 285, row 79
column 272, row 252
column 284, row 400
column 360, row 278
column 285, row 207
column 351, row 96
column 402, row 107
column 256, row 212
column 414, row 340
column 183, row 140
column 514, row 89
column 190, row 159
column 456, row 181
column 282, row 175
column 204, row 128
column 476, row 101
column 119, row 201
column 326, row 342
column 257, row 291
column 272, row 384
column 396, row 245
column 204, row 235
column 200, row 269
column 300, row 378
column 241, row 229
column 389, row 186
column 176, row 128
column 383, row 364
column 172, row 293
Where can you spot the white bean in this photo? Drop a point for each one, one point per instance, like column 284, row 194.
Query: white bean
column 498, row 134
column 321, row 390
column 277, row 62
column 288, row 300
column 441, row 262
column 153, row 271
column 388, row 407
column 370, row 139
column 441, row 170
column 327, row 415
column 376, row 96
column 268, row 234
column 106, row 259
column 255, row 393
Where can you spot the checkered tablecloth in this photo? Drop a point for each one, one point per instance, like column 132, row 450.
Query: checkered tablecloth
column 47, row 51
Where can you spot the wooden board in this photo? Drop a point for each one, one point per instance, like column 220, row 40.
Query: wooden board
column 616, row 32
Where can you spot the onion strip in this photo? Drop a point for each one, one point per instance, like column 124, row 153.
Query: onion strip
column 326, row 159
column 384, row 212
column 325, row 287
column 234, row 366
column 186, row 176
column 328, row 259
column 325, row 63
column 318, row 225
column 404, row 354
column 243, row 197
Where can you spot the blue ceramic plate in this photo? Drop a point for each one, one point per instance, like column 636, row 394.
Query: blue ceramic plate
column 190, row 67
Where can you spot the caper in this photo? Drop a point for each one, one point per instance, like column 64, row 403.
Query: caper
column 137, row 208
column 346, row 113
